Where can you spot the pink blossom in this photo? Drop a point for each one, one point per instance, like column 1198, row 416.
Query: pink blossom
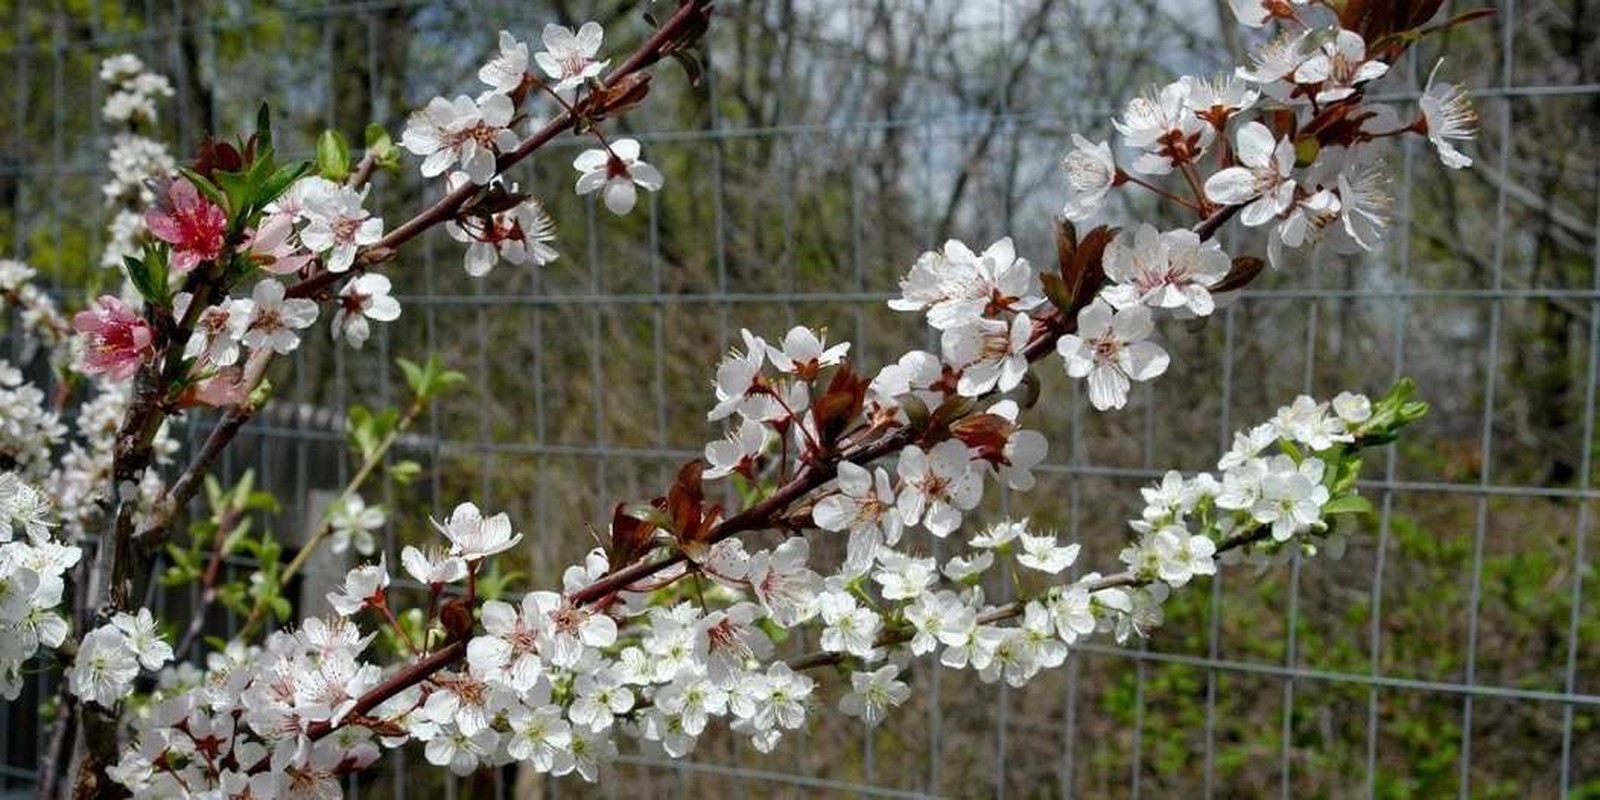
column 192, row 225
column 225, row 388
column 274, row 247
column 115, row 339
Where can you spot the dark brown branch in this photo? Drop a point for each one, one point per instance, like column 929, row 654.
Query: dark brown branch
column 188, row 484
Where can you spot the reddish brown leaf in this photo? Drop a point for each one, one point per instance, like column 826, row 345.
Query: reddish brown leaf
column 1087, row 271
column 685, row 498
column 1245, row 269
column 840, row 405
column 618, row 98
column 630, row 537
column 1066, row 243
column 986, row 433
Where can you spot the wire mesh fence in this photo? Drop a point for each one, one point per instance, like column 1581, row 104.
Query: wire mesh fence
column 1449, row 651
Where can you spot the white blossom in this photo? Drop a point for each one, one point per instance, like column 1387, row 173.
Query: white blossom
column 336, row 224
column 364, row 298
column 738, row 451
column 569, row 57
column 938, row 485
column 991, row 353
column 1091, row 173
column 864, row 505
column 1045, row 554
column 505, row 72
column 1182, row 556
column 781, row 581
column 435, row 567
column 104, row 668
column 268, row 319
column 873, row 693
column 143, row 638
column 1448, row 117
column 474, row 538
column 1339, row 66
column 614, row 173
column 805, row 352
column 1264, row 181
column 1110, row 350
column 363, row 586
column 1174, row 269
column 465, row 131
column 957, row 286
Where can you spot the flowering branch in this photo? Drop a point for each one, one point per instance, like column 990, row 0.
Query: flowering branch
column 669, row 624
column 685, row 25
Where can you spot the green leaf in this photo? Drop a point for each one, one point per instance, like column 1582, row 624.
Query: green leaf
column 264, row 127
column 239, row 535
column 239, row 188
column 333, row 156
column 243, row 488
column 430, row 378
column 777, row 633
column 405, row 471
column 149, row 285
column 380, row 146
column 1293, row 452
column 1391, row 412
column 1349, row 504
column 213, row 492
column 279, row 182
column 262, row 501
column 206, row 187
column 367, row 429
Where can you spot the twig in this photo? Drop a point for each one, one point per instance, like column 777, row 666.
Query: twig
column 368, row 465
column 225, row 523
column 1015, row 608
column 685, row 18
column 188, row 484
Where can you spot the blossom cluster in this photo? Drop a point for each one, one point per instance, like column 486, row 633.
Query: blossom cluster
column 29, row 428
column 1308, row 169
column 133, row 89
column 77, row 477
column 41, row 322
column 33, row 565
column 465, row 137
column 135, row 157
column 80, row 485
column 553, row 682
column 861, row 489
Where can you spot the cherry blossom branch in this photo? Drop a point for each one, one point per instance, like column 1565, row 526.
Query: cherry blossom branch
column 767, row 512
column 690, row 15
column 1015, row 608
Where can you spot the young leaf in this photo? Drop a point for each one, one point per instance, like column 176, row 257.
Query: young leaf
column 380, row 146
column 206, row 187
column 333, row 156
column 264, row 127
column 1349, row 504
column 279, row 182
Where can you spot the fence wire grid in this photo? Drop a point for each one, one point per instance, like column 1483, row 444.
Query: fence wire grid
column 1450, row 651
